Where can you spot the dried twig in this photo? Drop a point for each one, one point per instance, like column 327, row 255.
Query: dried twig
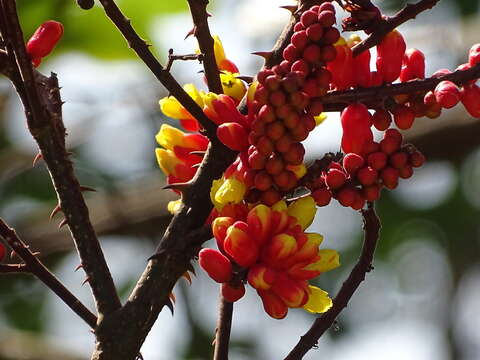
column 172, row 57
column 371, row 226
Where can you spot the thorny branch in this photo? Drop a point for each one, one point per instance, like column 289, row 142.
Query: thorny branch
column 337, row 100
column 140, row 47
column 387, row 24
column 43, row 108
column 201, row 30
column 371, row 226
column 34, row 266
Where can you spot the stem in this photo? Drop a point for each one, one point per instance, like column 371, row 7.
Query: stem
column 36, row 267
column 198, row 8
column 337, row 100
column 224, row 326
column 410, row 11
column 43, row 109
column 371, row 226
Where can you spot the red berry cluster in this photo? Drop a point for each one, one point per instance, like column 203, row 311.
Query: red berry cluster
column 430, row 104
column 360, row 178
column 286, row 101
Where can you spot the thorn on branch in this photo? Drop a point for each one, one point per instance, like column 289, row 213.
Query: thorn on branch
column 36, row 159
column 193, row 31
column 79, row 266
column 87, row 188
column 55, row 211
column 87, row 279
column 170, row 305
column 181, row 187
column 62, row 223
column 291, row 8
column 264, row 54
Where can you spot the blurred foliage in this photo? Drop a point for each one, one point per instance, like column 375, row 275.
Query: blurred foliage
column 91, row 31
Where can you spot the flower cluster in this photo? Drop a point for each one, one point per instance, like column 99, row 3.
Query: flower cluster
column 261, row 234
column 269, row 246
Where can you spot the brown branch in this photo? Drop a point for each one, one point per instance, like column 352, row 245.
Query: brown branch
column 198, row 9
column 224, row 326
column 172, row 58
column 371, row 226
column 42, row 105
column 13, row 269
column 140, row 47
column 35, row 267
column 337, row 100
column 410, row 11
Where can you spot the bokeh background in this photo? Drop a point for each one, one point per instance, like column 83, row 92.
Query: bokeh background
column 421, row 302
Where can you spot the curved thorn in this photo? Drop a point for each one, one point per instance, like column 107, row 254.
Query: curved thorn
column 55, row 211
column 191, row 32
column 247, row 79
column 177, row 186
column 264, row 54
column 200, row 153
column 169, row 305
column 196, row 166
column 172, row 297
column 37, row 158
column 87, row 279
column 187, row 277
column 87, row 188
column 62, row 223
column 80, row 266
column 291, row 8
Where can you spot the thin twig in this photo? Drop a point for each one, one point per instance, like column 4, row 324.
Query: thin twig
column 35, row 267
column 224, row 326
column 371, row 226
column 13, row 269
column 198, row 9
column 172, row 58
column 43, row 109
column 140, row 47
column 410, row 11
column 337, row 100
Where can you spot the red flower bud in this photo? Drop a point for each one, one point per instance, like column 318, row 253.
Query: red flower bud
column 447, row 94
column 44, row 39
column 381, row 119
column 322, row 196
column 240, row 246
column 403, row 117
column 346, row 196
column 377, row 160
column 232, row 294
column 399, row 160
column 367, row 176
column 474, row 55
column 390, row 53
column 233, row 135
column 273, row 305
column 413, row 65
column 417, row 159
column 335, row 178
column 470, row 95
column 371, row 193
column 261, row 277
column 356, row 122
column 389, row 177
column 217, row 265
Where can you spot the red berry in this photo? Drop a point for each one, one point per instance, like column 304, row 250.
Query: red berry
column 417, row 159
column 277, row 98
column 300, row 39
column 295, row 154
column 335, row 179
column 272, row 82
column 262, row 181
column 326, row 18
column 447, row 94
column 271, row 197
column 261, row 94
column 389, row 145
column 275, row 130
column 405, row 172
column 298, row 27
column 266, row 114
column 389, row 177
column 381, row 119
column 311, row 53
column 347, row 196
column 403, row 117
column 328, row 53
column 308, row 17
column 322, row 196
column 314, row 32
column 265, row 146
column 470, row 94
column 283, row 144
column 330, row 36
column 301, row 66
column 352, row 162
column 377, row 160
column 274, row 165
column 327, row 6
column 474, row 55
column 291, row 53
column 299, row 133
column 399, row 160
column 359, row 202
column 256, row 160
column 371, row 193
column 367, row 176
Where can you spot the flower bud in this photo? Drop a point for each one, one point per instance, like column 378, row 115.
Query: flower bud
column 240, row 246
column 447, row 94
column 231, row 293
column 273, row 305
column 217, row 265
column 390, row 53
column 44, row 39
column 233, row 135
column 292, row 292
column 469, row 95
column 303, row 210
column 261, row 277
column 219, row 229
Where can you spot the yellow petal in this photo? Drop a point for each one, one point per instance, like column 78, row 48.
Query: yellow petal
column 196, row 95
column 167, row 160
column 251, row 91
column 320, row 118
column 298, row 170
column 318, row 301
column 231, row 191
column 216, row 184
column 303, row 210
column 218, row 49
column 280, row 206
column 232, row 86
column 329, row 260
column 169, row 137
column 172, row 108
